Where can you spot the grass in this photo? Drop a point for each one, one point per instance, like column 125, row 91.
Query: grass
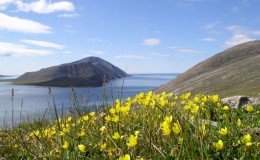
column 147, row 126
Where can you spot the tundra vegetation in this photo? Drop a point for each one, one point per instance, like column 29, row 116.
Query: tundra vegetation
column 147, row 126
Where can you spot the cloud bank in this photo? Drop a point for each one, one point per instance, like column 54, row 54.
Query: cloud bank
column 22, row 25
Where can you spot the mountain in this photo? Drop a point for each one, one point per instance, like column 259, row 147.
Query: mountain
column 89, row 71
column 235, row 71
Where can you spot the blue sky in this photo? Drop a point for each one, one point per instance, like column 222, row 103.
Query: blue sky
column 139, row 36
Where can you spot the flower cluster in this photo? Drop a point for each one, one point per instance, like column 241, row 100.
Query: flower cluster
column 147, row 126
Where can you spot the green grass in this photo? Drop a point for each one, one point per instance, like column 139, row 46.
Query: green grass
column 147, row 126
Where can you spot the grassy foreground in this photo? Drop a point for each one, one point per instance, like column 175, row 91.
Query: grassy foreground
column 148, row 126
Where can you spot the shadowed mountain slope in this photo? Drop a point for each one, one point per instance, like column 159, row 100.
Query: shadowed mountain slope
column 235, row 71
column 85, row 72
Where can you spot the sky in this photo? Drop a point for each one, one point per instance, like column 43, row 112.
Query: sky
column 138, row 36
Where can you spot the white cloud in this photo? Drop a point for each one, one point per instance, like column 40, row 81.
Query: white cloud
column 240, row 5
column 96, row 52
column 159, row 55
column 256, row 33
column 151, row 42
column 95, row 40
column 240, row 35
column 67, row 52
column 39, row 6
column 234, row 28
column 210, row 25
column 87, row 55
column 5, row 3
column 186, row 50
column 93, row 53
column 212, row 32
column 128, row 56
column 69, row 31
column 12, row 49
column 22, row 25
column 208, row 39
column 66, row 15
column 174, row 47
column 45, row 6
column 237, row 39
column 43, row 44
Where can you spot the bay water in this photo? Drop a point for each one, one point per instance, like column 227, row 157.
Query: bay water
column 32, row 102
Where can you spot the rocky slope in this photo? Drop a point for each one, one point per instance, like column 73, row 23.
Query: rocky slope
column 85, row 72
column 235, row 71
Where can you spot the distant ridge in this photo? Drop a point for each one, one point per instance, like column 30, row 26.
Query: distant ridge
column 89, row 71
column 235, row 71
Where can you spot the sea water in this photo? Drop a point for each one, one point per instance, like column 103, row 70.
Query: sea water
column 29, row 102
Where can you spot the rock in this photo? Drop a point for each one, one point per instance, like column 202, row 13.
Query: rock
column 240, row 101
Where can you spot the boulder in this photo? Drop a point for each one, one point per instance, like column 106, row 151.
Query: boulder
column 240, row 101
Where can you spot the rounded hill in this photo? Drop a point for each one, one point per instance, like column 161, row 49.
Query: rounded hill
column 235, row 71
column 90, row 71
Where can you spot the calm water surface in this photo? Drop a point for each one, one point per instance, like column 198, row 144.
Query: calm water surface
column 32, row 101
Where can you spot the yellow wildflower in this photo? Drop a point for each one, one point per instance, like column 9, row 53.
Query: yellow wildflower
column 204, row 99
column 215, row 98
column 132, row 141
column 82, row 133
column 203, row 129
column 249, row 144
column 219, row 104
column 85, row 118
column 219, row 145
column 250, row 108
column 239, row 122
column 92, row 114
column 194, row 109
column 183, row 102
column 82, row 147
column 115, row 118
column 226, row 108
column 166, row 129
column 187, row 107
column 65, row 145
column 126, row 157
column 112, row 110
column 223, row 131
column 185, row 96
column 180, row 140
column 176, row 128
column 246, row 138
column 79, row 120
column 102, row 146
column 68, row 119
column 102, row 129
column 108, row 118
column 137, row 133
column 196, row 99
column 168, row 119
column 37, row 133
column 116, row 135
